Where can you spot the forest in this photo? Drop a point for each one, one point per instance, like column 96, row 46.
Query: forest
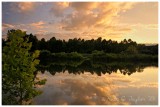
column 79, row 45
column 88, row 46
column 94, row 49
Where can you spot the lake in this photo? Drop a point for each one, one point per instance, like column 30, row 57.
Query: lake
column 98, row 84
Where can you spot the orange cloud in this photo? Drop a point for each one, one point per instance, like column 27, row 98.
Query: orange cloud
column 23, row 6
column 152, row 26
column 38, row 25
column 41, row 31
column 58, row 8
column 6, row 26
column 84, row 5
column 94, row 14
column 119, row 28
column 142, row 13
column 145, row 84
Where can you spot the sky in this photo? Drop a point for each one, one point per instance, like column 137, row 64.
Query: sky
column 88, row 20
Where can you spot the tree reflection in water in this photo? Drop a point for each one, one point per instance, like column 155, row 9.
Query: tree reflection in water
column 99, row 68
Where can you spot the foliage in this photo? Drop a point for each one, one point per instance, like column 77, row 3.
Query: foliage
column 124, row 57
column 18, row 67
column 131, row 50
column 41, row 82
column 46, row 56
column 95, row 52
column 128, row 55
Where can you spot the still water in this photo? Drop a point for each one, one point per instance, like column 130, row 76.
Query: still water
column 90, row 88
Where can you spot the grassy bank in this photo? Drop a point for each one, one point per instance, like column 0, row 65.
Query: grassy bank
column 123, row 57
column 95, row 56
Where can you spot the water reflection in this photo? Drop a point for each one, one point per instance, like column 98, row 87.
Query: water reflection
column 98, row 68
column 67, row 89
column 98, row 84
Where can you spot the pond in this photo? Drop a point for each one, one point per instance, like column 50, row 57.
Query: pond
column 99, row 84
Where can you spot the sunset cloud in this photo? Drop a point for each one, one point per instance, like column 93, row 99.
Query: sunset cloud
column 83, row 5
column 23, row 6
column 96, row 14
column 41, row 31
column 141, row 13
column 6, row 26
column 58, row 8
column 152, row 26
column 38, row 25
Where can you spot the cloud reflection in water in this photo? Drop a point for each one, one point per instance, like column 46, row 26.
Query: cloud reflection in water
column 87, row 89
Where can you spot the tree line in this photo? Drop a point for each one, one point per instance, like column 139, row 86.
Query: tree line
column 88, row 46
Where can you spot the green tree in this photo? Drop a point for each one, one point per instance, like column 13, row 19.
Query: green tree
column 131, row 50
column 18, row 67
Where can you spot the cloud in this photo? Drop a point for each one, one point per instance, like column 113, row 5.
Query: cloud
column 93, row 14
column 89, row 14
column 83, row 5
column 105, row 18
column 144, row 85
column 35, row 27
column 99, row 17
column 23, row 7
column 110, row 32
column 38, row 25
column 78, row 21
column 61, row 36
column 119, row 28
column 145, row 26
column 58, row 8
column 152, row 26
column 142, row 13
column 41, row 31
column 6, row 26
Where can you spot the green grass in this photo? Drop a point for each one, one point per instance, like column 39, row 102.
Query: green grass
column 124, row 57
column 96, row 56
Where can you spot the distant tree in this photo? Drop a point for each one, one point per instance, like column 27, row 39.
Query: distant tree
column 42, row 44
column 131, row 50
column 34, row 41
column 124, row 41
column 51, row 45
